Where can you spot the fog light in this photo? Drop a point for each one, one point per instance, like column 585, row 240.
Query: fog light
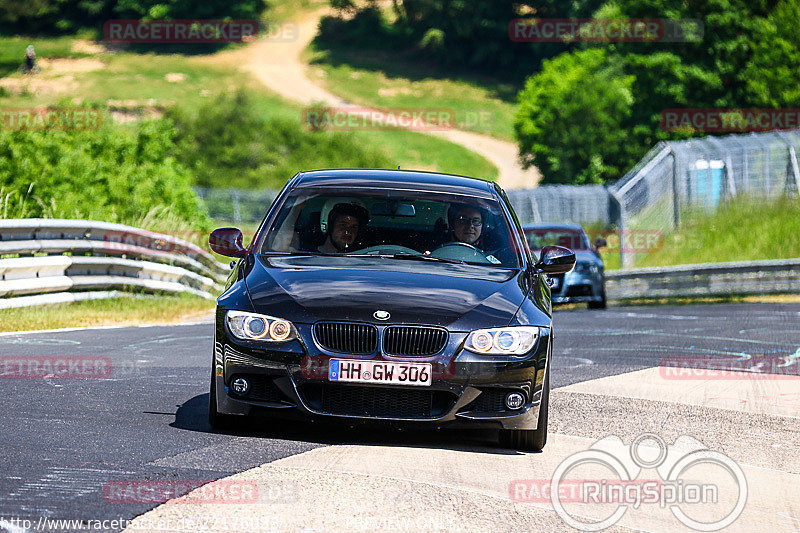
column 241, row 386
column 514, row 400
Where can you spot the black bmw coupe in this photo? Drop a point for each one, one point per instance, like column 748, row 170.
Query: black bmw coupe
column 387, row 295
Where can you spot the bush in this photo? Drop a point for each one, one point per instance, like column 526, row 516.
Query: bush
column 116, row 174
column 365, row 29
column 226, row 143
column 434, row 42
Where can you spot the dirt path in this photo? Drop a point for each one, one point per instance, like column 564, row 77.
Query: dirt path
column 278, row 66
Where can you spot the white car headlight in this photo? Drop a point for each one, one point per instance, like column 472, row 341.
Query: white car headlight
column 503, row 341
column 252, row 326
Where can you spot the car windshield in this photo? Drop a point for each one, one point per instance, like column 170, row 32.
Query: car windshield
column 573, row 239
column 398, row 225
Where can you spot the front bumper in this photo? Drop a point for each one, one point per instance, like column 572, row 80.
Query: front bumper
column 291, row 381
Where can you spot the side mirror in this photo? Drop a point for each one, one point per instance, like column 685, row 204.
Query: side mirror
column 227, row 242
column 600, row 243
column 555, row 260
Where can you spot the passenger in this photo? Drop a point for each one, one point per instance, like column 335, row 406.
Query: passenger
column 345, row 222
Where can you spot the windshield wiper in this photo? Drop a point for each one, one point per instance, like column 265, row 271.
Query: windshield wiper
column 423, row 257
column 301, row 253
column 401, row 255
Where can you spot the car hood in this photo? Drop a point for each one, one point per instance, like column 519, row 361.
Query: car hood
column 585, row 257
column 459, row 297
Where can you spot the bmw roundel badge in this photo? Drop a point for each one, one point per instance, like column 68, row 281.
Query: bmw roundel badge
column 381, row 315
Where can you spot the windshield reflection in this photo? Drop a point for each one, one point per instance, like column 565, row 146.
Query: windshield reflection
column 412, row 226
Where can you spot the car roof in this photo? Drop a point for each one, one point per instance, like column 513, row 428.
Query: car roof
column 553, row 225
column 395, row 179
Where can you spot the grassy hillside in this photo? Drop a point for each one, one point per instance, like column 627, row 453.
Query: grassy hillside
column 741, row 230
column 367, row 62
column 135, row 86
column 382, row 79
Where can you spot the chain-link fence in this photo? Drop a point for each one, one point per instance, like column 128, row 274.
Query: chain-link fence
column 650, row 199
column 701, row 173
column 237, row 205
column 587, row 204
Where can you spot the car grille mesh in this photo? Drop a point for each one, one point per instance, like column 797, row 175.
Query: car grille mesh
column 579, row 290
column 377, row 402
column 347, row 338
column 490, row 400
column 413, row 340
column 390, row 403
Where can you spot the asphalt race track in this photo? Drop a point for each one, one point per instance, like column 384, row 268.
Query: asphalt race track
column 65, row 440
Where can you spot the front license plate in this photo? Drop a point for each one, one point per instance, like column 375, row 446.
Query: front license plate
column 380, row 372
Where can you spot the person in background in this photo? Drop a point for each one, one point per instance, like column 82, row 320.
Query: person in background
column 30, row 58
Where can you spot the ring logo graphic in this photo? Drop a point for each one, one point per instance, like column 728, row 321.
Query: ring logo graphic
column 704, row 489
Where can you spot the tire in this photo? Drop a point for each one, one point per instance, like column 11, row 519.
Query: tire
column 526, row 439
column 216, row 420
column 601, row 304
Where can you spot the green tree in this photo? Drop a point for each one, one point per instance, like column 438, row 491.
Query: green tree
column 748, row 56
column 63, row 16
column 772, row 77
column 570, row 117
column 457, row 33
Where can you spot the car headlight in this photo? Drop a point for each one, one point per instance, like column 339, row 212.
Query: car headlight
column 252, row 326
column 503, row 341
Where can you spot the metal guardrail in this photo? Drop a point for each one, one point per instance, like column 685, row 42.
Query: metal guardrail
column 707, row 279
column 103, row 257
column 123, row 257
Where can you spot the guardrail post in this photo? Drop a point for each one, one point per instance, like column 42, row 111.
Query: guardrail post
column 237, row 210
column 676, row 210
column 792, row 164
column 624, row 259
column 729, row 177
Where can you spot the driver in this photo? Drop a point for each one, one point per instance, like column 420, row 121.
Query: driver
column 466, row 223
column 345, row 221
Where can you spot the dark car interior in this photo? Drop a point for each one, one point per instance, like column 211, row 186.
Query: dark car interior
column 423, row 232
